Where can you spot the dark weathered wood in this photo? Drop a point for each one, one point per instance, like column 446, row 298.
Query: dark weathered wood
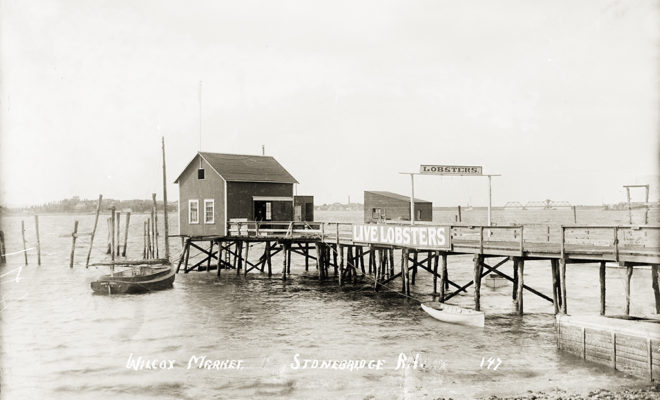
column 91, row 239
column 391, row 261
column 24, row 243
column 220, row 263
column 514, row 291
column 629, row 272
column 460, row 217
column 562, row 275
column 247, row 258
column 655, row 285
column 74, row 236
column 166, row 223
column 185, row 267
column 284, row 257
column 208, row 259
column 155, row 224
column 112, row 233
column 478, row 269
column 414, row 268
column 130, row 262
column 186, row 248
column 288, row 260
column 601, row 276
column 521, row 279
column 435, row 273
column 555, row 284
column 3, row 249
column 144, row 240
column 377, row 261
column 118, row 233
column 128, row 221
column 443, row 277
column 36, row 228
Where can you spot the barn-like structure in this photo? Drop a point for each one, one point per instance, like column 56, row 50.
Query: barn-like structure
column 381, row 205
column 217, row 188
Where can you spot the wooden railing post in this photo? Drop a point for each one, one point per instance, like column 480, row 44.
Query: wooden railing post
column 616, row 243
column 481, row 240
column 522, row 228
column 563, row 241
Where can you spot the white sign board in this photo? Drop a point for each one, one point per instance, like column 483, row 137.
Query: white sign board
column 460, row 170
column 427, row 237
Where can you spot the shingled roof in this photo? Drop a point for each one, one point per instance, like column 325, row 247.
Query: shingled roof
column 245, row 168
column 396, row 196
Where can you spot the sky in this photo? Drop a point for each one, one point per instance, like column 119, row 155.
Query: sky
column 559, row 97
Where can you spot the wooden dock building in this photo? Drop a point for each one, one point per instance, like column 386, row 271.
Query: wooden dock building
column 383, row 206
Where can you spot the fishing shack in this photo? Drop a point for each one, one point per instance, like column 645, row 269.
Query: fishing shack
column 216, row 188
column 381, row 206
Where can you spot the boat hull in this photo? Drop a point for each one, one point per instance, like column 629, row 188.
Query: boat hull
column 456, row 315
column 125, row 283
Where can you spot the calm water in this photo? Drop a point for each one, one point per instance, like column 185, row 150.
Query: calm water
column 60, row 341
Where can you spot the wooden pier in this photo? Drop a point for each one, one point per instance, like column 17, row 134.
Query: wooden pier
column 332, row 248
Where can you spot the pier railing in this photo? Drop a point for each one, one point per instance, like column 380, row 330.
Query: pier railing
column 609, row 240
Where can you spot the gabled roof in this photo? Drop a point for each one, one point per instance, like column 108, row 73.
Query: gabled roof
column 396, row 196
column 245, row 168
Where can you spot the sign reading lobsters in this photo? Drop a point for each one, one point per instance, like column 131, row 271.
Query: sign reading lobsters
column 432, row 237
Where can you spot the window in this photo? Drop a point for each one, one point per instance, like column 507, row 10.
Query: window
column 200, row 173
column 193, row 211
column 419, row 214
column 209, row 211
column 269, row 211
column 376, row 213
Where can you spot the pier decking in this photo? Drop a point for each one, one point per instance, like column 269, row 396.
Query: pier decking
column 333, row 245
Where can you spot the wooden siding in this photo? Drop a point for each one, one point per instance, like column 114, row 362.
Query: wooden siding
column 191, row 188
column 240, row 204
column 394, row 209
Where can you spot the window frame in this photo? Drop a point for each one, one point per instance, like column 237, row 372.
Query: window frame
column 190, row 203
column 212, row 202
column 203, row 171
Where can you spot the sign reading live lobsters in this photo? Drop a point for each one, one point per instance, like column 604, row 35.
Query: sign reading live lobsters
column 434, row 237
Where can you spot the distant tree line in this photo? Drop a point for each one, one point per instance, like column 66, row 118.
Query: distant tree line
column 77, row 205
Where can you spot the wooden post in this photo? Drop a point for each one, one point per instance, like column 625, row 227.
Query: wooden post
column 269, row 259
column 144, row 240
column 629, row 206
column 555, row 284
column 239, row 255
column 404, row 269
column 362, row 260
column 3, row 249
column 128, row 221
column 629, row 272
column 109, row 221
column 319, row 259
column 24, row 243
column 74, row 235
column 36, row 228
column 284, row 256
column 602, row 287
column 405, row 263
column 514, row 292
column 443, row 276
column 118, row 233
column 208, row 262
column 521, row 282
column 414, row 268
column 247, row 258
column 288, row 259
column 478, row 267
column 150, row 250
column 377, row 261
column 656, row 289
column 96, row 221
column 153, row 197
column 185, row 267
column 340, row 250
column 460, row 217
column 306, row 256
column 435, row 273
column 562, row 279
column 112, row 233
column 166, row 222
column 220, row 246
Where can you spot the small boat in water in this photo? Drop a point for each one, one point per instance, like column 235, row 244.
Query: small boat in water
column 495, row 281
column 456, row 315
column 139, row 279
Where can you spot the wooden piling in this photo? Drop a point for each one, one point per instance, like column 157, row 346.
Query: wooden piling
column 601, row 276
column 460, row 217
column 562, row 279
column 128, row 221
column 109, row 221
column 514, row 291
column 74, row 236
column 269, row 259
column 284, row 257
column 118, row 232
column 391, row 255
column 554, row 265
column 435, row 273
column 574, row 215
column 521, row 282
column 629, row 272
column 443, row 276
column 340, row 250
column 405, row 263
column 96, row 221
column 377, row 261
column 478, row 268
column 155, row 224
column 414, row 268
column 247, row 258
column 219, row 267
column 239, row 256
column 150, row 252
column 3, row 249
column 144, row 240
column 166, row 222
column 319, row 261
column 112, row 233
column 208, row 261
column 36, row 228
column 24, row 243
column 656, row 289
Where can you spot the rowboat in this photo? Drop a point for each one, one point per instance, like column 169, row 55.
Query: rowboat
column 140, row 279
column 456, row 315
column 495, row 281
